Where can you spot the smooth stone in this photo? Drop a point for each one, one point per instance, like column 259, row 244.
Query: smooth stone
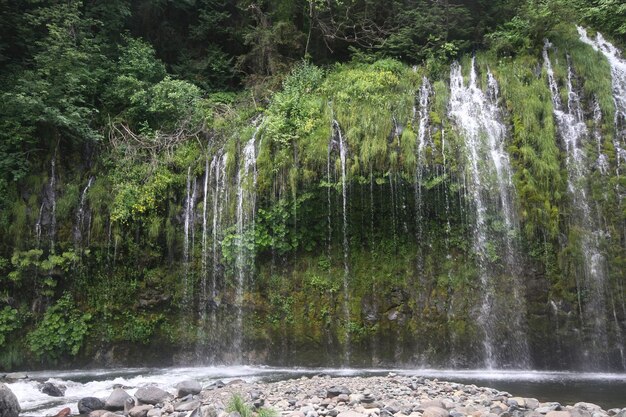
column 88, row 404
column 297, row 414
column 116, row 400
column 519, row 402
column 432, row 403
column 531, row 403
column 234, row 414
column 208, row 411
column 140, row 410
column 15, row 376
column 151, row 394
column 613, row 411
column 97, row 413
column 588, row 406
column 559, row 414
column 111, row 414
column 236, row 382
column 435, row 412
column 154, row 412
column 187, row 406
column 337, row 390
column 187, row 387
column 9, row 406
column 350, row 413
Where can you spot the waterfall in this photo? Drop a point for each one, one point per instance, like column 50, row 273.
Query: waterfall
column 346, row 248
column 48, row 209
column 423, row 140
column 205, row 249
column 189, row 220
column 246, row 201
column 80, row 216
column 501, row 316
column 592, row 279
column 618, row 80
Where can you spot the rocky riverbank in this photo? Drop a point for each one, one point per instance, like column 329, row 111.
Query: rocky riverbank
column 325, row 396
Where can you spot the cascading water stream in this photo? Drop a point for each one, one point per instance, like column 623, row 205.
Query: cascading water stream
column 246, row 202
column 592, row 280
column 80, row 216
column 492, row 194
column 618, row 80
column 188, row 216
column 205, row 250
column 423, row 140
column 346, row 248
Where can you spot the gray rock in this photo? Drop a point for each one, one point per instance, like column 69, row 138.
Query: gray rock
column 129, row 403
column 88, row 404
column 187, row 387
column 559, row 414
column 15, row 376
column 432, row 403
column 151, row 395
column 350, row 413
column 97, row 413
column 588, row 406
column 110, row 414
column 208, row 411
column 9, row 406
column 116, row 400
column 187, row 406
column 531, row 403
column 337, row 390
column 613, row 411
column 155, row 412
column 435, row 412
column 234, row 414
column 53, row 390
column 140, row 410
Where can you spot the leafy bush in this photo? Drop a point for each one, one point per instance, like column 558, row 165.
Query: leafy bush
column 61, row 331
column 9, row 321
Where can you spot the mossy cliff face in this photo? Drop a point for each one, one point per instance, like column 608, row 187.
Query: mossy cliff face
column 354, row 220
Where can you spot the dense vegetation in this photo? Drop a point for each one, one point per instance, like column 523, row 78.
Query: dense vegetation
column 112, row 111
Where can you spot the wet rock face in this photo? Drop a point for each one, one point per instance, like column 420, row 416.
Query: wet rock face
column 9, row 407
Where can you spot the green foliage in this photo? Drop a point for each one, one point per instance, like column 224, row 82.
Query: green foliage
column 238, row 404
column 9, row 321
column 608, row 15
column 60, row 332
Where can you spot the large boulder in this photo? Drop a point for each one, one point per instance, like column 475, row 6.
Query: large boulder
column 187, row 387
column 88, row 404
column 116, row 400
column 336, row 391
column 151, row 395
column 52, row 389
column 9, row 407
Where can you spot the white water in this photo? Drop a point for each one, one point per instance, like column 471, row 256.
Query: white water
column 488, row 180
column 573, row 132
column 618, row 79
column 80, row 215
column 346, row 248
column 423, row 140
column 189, row 220
column 246, row 202
column 100, row 383
column 205, row 251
